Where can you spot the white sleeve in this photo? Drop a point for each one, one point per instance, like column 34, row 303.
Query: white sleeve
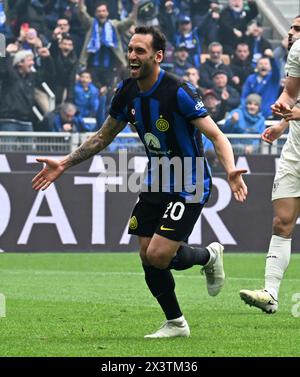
column 293, row 60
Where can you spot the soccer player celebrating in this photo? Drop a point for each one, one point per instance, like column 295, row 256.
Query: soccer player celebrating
column 169, row 118
column 286, row 188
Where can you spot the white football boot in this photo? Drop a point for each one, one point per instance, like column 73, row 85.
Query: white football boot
column 214, row 270
column 171, row 328
column 260, row 299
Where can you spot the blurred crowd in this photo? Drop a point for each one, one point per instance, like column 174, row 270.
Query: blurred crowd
column 76, row 49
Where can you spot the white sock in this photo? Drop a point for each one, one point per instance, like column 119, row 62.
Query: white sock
column 212, row 257
column 177, row 320
column 277, row 262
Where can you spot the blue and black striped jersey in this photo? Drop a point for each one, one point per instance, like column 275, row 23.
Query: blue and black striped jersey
column 162, row 117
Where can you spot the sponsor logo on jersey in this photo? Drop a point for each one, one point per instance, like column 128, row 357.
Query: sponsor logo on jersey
column 152, row 142
column 162, row 124
column 199, row 105
column 133, row 223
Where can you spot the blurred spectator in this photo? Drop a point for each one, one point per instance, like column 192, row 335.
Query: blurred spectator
column 257, row 43
column 205, row 16
column 41, row 97
column 102, row 51
column 217, row 111
column 29, row 39
column 114, row 8
column 247, row 119
column 86, row 98
column 214, row 63
column 240, row 65
column 193, row 77
column 35, row 13
column 65, row 63
column 32, row 41
column 185, row 22
column 68, row 12
column 188, row 36
column 168, row 17
column 168, row 62
column 126, row 8
column 62, row 27
column 225, row 93
column 280, row 56
column 18, row 90
column 148, row 13
column 5, row 28
column 265, row 82
column 215, row 106
column 64, row 119
column 233, row 23
column 181, row 63
column 183, row 5
column 126, row 36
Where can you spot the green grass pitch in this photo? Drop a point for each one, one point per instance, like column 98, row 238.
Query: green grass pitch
column 98, row 305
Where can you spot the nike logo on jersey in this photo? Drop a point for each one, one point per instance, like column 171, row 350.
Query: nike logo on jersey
column 163, row 228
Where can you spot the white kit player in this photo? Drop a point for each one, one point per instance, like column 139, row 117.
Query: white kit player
column 286, row 187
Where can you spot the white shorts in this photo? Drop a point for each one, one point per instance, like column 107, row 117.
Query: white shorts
column 287, row 180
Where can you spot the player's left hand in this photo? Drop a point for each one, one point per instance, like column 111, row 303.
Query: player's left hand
column 281, row 109
column 293, row 114
column 237, row 184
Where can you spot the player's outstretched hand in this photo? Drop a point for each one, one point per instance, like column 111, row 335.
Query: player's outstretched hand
column 51, row 171
column 272, row 133
column 237, row 184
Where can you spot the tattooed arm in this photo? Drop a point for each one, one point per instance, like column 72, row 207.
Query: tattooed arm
column 95, row 144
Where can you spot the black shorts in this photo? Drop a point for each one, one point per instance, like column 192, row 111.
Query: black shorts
column 165, row 214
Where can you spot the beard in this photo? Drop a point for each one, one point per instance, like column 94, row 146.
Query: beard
column 292, row 40
column 290, row 43
column 145, row 71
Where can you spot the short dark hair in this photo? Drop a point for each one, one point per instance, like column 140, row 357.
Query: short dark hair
column 66, row 37
column 219, row 72
column 242, row 44
column 85, row 71
column 100, row 3
column 159, row 39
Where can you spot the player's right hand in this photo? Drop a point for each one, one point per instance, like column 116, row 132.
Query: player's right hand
column 51, row 171
column 271, row 134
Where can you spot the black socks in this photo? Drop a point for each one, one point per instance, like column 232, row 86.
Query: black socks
column 187, row 257
column 162, row 286
column 161, row 282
